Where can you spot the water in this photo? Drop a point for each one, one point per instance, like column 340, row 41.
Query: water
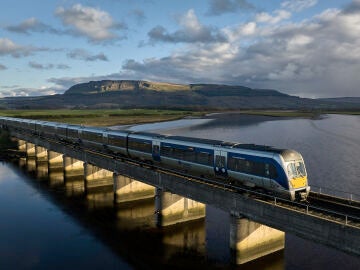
column 47, row 224
column 36, row 234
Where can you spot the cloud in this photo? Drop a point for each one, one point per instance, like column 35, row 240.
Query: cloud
column 317, row 57
column 95, row 24
column 279, row 15
column 2, row 67
column 18, row 92
column 219, row 7
column 191, row 31
column 298, row 5
column 80, row 54
column 39, row 66
column 8, row 47
column 32, row 25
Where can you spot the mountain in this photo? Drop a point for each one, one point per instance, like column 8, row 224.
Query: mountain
column 160, row 95
column 94, row 87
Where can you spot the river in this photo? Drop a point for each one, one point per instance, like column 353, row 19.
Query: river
column 48, row 225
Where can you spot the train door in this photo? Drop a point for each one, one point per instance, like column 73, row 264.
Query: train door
column 156, row 150
column 105, row 140
column 220, row 161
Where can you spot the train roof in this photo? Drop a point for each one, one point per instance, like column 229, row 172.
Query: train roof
column 195, row 140
column 256, row 147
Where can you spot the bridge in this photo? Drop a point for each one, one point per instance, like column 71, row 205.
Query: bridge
column 258, row 221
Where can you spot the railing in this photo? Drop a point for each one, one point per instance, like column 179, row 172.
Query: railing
column 337, row 193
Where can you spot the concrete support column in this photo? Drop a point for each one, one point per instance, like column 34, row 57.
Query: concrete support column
column 96, row 177
column 73, row 176
column 41, row 154
column 55, row 160
column 56, row 169
column 250, row 240
column 30, row 149
column 72, row 166
column 22, row 146
column 171, row 208
column 128, row 189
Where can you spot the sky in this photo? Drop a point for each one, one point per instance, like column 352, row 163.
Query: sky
column 307, row 48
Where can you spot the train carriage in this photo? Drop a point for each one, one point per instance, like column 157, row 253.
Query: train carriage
column 94, row 138
column 116, row 142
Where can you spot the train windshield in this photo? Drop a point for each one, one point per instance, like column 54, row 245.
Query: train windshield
column 296, row 169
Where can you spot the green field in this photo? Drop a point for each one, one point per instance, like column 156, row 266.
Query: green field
column 101, row 117
column 140, row 116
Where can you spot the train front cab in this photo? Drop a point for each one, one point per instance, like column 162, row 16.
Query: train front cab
column 297, row 176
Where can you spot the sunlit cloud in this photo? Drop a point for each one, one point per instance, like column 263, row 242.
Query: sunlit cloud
column 8, row 47
column 95, row 24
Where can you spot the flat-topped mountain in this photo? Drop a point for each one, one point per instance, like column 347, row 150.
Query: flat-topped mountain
column 123, row 85
column 161, row 95
column 94, row 87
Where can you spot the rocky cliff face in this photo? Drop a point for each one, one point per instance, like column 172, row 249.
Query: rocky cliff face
column 123, row 85
column 105, row 86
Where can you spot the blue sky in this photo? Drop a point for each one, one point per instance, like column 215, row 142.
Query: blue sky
column 309, row 48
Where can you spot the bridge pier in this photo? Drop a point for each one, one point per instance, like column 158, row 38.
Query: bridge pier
column 55, row 160
column 41, row 154
column 73, row 176
column 30, row 150
column 96, row 177
column 128, row 189
column 250, row 240
column 171, row 209
column 72, row 166
column 55, row 164
column 22, row 146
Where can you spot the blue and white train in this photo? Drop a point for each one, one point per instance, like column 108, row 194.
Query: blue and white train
column 279, row 171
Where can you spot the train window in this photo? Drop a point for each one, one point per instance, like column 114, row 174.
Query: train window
column 251, row 167
column 258, row 168
column 73, row 133
column 189, row 154
column 166, row 151
column 178, row 153
column 92, row 136
column 270, row 171
column 204, row 158
column 143, row 146
column 117, row 141
column 296, row 169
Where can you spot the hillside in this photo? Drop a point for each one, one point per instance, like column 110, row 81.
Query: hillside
column 95, row 87
column 144, row 94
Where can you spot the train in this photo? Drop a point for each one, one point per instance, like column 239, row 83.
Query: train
column 276, row 171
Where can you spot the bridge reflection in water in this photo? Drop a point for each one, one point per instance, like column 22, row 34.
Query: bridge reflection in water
column 130, row 205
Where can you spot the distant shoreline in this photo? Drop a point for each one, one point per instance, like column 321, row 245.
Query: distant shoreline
column 106, row 118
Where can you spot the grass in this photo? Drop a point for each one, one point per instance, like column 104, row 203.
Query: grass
column 101, row 117
column 140, row 116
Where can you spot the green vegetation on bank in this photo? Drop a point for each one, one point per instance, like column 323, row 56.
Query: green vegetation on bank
column 101, row 117
column 140, row 116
